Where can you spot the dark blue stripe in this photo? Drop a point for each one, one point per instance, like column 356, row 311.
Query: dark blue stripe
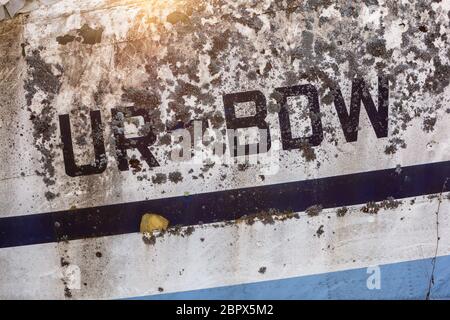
column 225, row 205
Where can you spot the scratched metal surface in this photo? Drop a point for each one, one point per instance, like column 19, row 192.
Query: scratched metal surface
column 177, row 59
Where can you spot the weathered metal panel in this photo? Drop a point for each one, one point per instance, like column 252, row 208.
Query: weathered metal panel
column 353, row 98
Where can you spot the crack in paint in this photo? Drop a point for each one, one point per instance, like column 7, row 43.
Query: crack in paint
column 433, row 261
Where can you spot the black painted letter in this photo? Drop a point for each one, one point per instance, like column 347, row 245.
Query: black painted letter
column 360, row 93
column 310, row 92
column 258, row 120
column 72, row 169
column 140, row 143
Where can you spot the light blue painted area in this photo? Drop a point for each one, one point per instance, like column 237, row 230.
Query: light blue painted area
column 404, row 280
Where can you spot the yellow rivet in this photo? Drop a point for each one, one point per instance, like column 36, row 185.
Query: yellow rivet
column 151, row 222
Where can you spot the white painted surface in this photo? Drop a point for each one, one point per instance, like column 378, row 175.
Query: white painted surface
column 230, row 254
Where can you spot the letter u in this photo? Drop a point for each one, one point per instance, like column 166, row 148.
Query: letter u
column 72, row 169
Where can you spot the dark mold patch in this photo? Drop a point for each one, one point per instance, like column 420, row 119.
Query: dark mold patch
column 90, row 35
column 67, row 292
column 64, row 263
column 135, row 165
column 189, row 230
column 141, row 98
column 159, row 178
column 390, row 203
column 395, row 144
column 314, row 210
column 320, row 231
column 308, row 152
column 175, row 177
column 63, row 40
column 268, row 217
column 149, row 101
column 440, row 79
column 423, row 28
column 45, row 78
column 428, row 124
column 41, row 76
column 149, row 240
column 373, row 207
column 50, row 195
column 341, row 211
column 377, row 47
column 85, row 34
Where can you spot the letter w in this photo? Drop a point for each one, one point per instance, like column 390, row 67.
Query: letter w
column 360, row 93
